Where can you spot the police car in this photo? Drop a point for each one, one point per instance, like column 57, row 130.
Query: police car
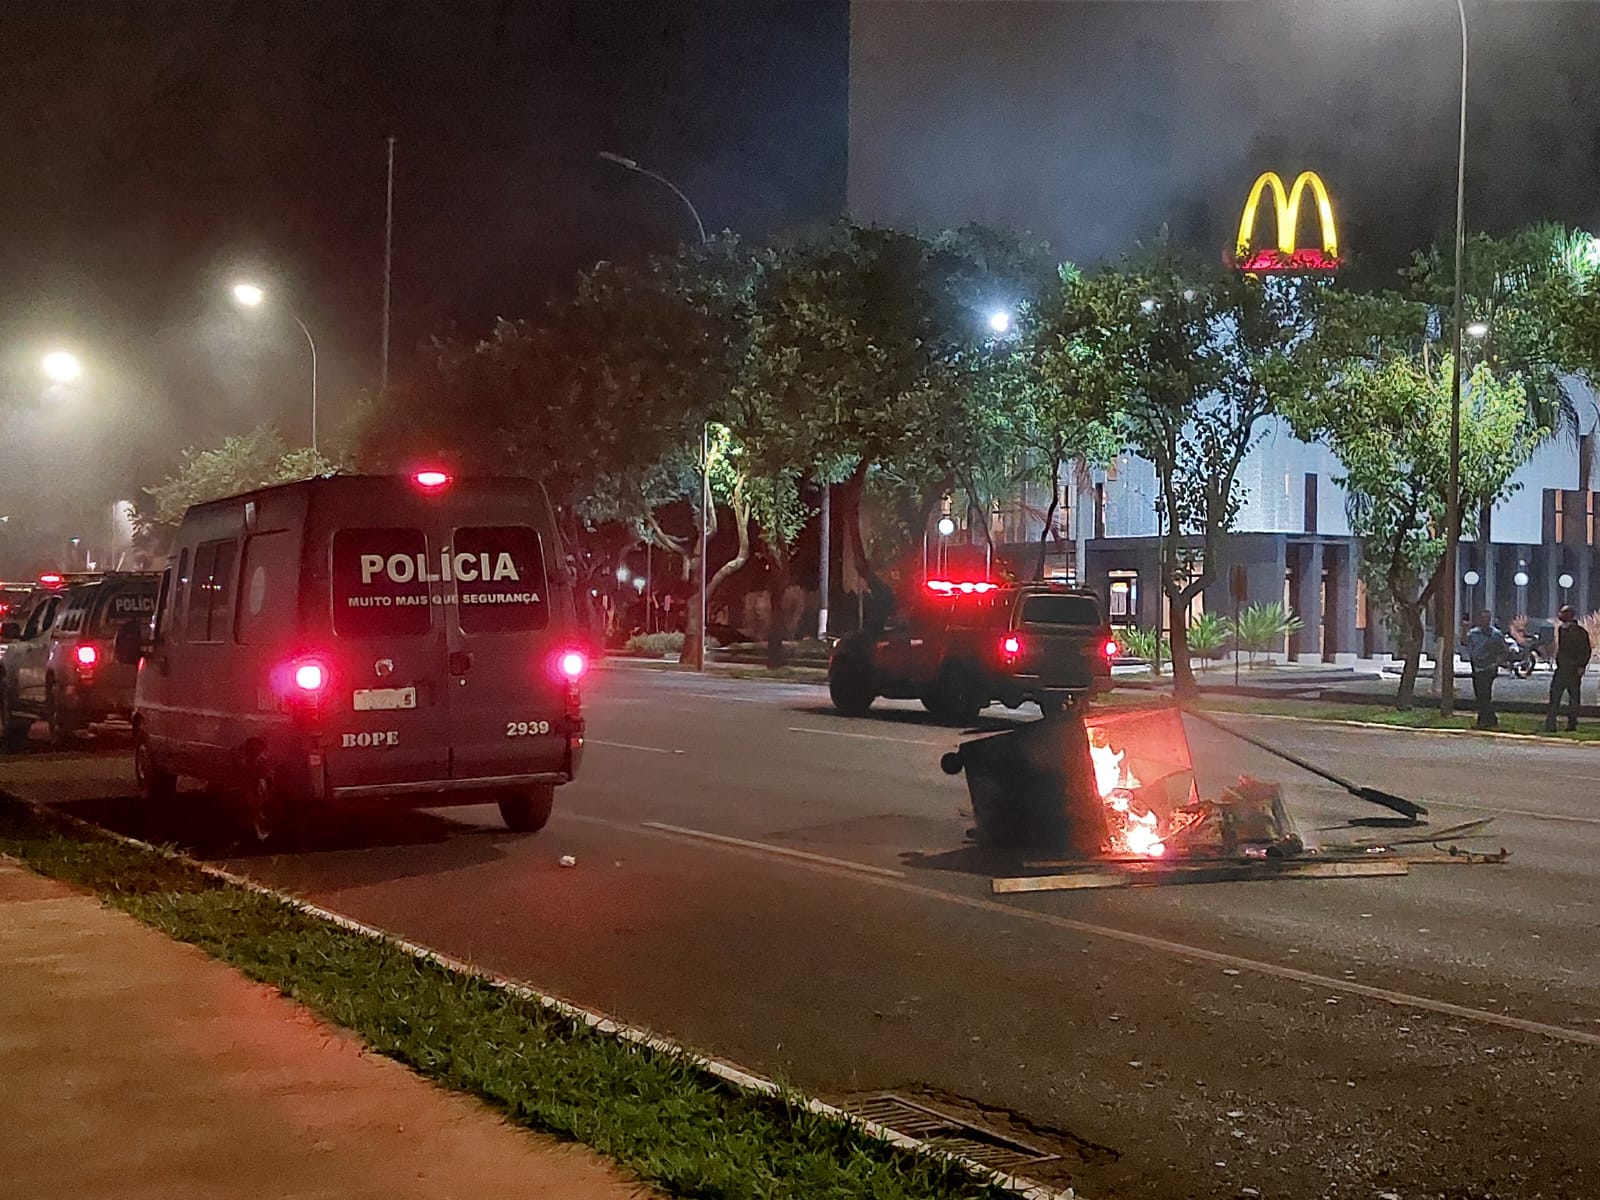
column 56, row 652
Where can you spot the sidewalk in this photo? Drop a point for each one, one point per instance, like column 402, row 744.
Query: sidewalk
column 135, row 1067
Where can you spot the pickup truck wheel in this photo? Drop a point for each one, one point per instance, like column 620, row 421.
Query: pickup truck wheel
column 850, row 687
column 955, row 696
column 62, row 729
column 13, row 729
column 528, row 809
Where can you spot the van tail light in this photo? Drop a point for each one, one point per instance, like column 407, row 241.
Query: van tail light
column 310, row 677
column 1110, row 649
column 431, row 480
column 573, row 665
column 87, row 656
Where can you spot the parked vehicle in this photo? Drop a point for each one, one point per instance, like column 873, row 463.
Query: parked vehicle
column 410, row 639
column 964, row 645
column 57, row 662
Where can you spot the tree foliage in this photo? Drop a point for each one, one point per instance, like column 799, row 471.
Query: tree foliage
column 241, row 463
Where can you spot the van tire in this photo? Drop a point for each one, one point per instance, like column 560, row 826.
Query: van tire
column 156, row 785
column 528, row 809
column 267, row 814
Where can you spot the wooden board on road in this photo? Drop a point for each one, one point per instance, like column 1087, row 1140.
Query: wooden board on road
column 1157, row 874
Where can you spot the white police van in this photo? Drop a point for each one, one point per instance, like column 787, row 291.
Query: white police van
column 409, row 638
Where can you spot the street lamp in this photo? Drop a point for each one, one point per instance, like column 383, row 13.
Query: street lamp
column 1452, row 521
column 628, row 164
column 946, row 528
column 60, row 366
column 249, row 295
column 1471, row 580
column 623, row 574
column 1564, row 581
column 1000, row 321
column 1478, row 330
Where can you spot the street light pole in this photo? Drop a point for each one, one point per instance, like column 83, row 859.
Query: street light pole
column 1447, row 635
column 313, row 346
column 629, row 164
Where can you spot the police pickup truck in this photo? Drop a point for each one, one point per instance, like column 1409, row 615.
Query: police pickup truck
column 965, row 645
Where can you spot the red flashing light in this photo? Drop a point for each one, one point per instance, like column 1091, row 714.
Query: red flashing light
column 573, row 665
column 1111, row 649
column 310, row 677
column 87, row 656
column 967, row 587
column 431, row 481
column 51, row 579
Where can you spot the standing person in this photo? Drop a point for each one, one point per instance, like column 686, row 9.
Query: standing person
column 1486, row 647
column 1573, row 651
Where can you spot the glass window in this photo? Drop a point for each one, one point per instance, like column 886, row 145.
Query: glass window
column 1061, row 610
column 42, row 616
column 180, row 594
column 124, row 600
column 269, row 578
column 499, row 578
column 211, row 596
column 163, row 603
column 380, row 583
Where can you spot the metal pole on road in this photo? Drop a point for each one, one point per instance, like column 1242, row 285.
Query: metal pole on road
column 1447, row 614
column 822, row 583
column 388, row 258
column 705, row 522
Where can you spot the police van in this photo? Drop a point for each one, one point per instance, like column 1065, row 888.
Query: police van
column 408, row 638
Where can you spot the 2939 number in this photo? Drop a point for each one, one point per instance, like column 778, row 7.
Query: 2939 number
column 527, row 728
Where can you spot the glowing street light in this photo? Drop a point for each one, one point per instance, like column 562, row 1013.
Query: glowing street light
column 623, row 574
column 1478, row 329
column 250, row 295
column 1000, row 321
column 61, row 366
column 946, row 526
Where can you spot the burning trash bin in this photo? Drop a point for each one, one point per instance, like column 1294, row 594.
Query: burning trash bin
column 1114, row 784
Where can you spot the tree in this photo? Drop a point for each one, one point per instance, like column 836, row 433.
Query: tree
column 1193, row 363
column 1388, row 423
column 241, row 463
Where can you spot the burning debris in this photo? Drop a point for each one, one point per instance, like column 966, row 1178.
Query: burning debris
column 1116, row 788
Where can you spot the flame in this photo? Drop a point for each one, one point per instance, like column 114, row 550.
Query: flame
column 1134, row 829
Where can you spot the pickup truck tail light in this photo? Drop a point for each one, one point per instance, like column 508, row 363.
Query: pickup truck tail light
column 1110, row 649
column 1010, row 648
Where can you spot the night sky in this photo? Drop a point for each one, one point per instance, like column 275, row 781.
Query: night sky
column 156, row 151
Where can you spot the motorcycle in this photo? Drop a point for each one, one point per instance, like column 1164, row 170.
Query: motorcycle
column 1520, row 657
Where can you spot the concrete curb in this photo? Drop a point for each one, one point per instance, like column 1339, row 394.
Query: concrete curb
column 727, row 1072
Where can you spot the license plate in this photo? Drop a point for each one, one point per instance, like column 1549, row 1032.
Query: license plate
column 373, row 699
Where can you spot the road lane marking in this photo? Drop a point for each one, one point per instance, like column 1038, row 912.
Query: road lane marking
column 735, row 699
column 870, row 737
column 632, row 746
column 769, row 848
column 881, row 877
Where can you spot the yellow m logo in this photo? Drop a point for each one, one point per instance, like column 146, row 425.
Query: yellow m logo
column 1286, row 256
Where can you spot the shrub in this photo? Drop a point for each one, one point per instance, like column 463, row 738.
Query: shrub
column 1146, row 644
column 1263, row 627
column 1208, row 634
column 655, row 645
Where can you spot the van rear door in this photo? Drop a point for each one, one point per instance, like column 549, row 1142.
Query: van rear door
column 389, row 709
column 504, row 633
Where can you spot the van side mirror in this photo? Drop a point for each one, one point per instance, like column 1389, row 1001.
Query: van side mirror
column 10, row 631
column 130, row 644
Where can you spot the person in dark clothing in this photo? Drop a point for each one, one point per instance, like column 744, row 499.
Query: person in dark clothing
column 1486, row 647
column 1573, row 651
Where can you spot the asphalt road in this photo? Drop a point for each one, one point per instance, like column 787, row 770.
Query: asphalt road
column 1436, row 1035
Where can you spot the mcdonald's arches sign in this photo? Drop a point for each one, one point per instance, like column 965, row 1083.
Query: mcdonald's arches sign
column 1287, row 256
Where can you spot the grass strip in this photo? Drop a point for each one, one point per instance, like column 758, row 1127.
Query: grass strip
column 1519, row 724
column 657, row 1114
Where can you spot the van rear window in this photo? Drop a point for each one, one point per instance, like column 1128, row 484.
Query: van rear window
column 380, row 583
column 499, row 578
column 1061, row 610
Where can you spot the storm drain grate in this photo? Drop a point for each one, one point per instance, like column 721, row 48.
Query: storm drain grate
column 950, row 1134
